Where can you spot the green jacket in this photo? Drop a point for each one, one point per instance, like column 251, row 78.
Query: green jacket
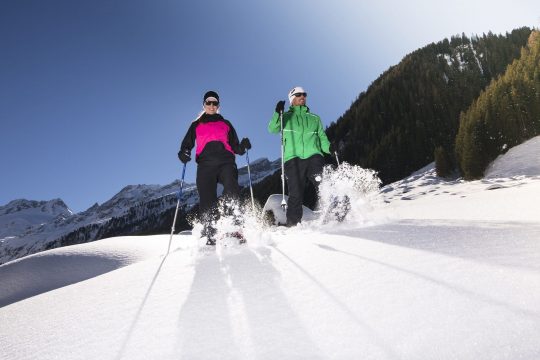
column 303, row 133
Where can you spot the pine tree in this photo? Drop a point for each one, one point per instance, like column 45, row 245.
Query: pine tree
column 443, row 164
column 504, row 115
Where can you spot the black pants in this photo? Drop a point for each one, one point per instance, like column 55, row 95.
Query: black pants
column 297, row 171
column 208, row 177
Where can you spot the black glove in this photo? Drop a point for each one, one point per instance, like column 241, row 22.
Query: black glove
column 280, row 106
column 184, row 155
column 245, row 144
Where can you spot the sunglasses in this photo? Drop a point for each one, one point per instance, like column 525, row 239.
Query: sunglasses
column 208, row 103
column 300, row 94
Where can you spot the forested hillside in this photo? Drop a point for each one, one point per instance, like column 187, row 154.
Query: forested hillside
column 506, row 114
column 413, row 108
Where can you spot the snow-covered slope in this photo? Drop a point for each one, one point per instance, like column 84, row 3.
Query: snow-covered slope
column 424, row 275
column 27, row 227
column 520, row 161
column 507, row 193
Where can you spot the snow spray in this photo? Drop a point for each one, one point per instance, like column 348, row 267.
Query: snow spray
column 345, row 194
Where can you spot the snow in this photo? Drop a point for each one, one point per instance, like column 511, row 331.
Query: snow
column 20, row 215
column 458, row 55
column 437, row 269
column 509, row 192
column 523, row 160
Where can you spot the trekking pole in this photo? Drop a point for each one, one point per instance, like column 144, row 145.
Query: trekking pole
column 337, row 159
column 283, row 202
column 250, row 184
column 178, row 195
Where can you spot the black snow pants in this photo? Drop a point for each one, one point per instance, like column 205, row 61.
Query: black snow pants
column 208, row 177
column 297, row 171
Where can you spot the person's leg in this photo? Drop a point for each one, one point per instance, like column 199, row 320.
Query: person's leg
column 339, row 205
column 228, row 177
column 314, row 171
column 295, row 175
column 206, row 187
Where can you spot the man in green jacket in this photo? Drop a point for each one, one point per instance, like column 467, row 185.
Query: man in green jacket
column 304, row 144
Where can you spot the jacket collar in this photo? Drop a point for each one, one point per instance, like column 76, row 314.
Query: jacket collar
column 299, row 109
column 209, row 118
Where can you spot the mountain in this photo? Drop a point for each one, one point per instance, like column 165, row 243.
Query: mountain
column 260, row 169
column 19, row 216
column 432, row 269
column 27, row 227
column 414, row 107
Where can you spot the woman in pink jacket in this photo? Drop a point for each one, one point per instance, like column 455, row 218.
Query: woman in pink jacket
column 217, row 144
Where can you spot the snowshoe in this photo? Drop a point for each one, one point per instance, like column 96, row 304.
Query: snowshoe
column 209, row 231
column 236, row 235
column 338, row 209
column 275, row 214
column 232, row 238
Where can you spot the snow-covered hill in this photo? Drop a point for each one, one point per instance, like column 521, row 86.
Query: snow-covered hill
column 431, row 269
column 27, row 227
column 505, row 194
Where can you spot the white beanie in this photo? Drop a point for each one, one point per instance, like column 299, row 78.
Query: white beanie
column 295, row 90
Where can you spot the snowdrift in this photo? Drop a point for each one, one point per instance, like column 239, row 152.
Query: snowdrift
column 49, row 270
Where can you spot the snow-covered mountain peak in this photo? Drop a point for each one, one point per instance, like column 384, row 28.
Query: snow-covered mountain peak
column 260, row 160
column 20, row 216
column 131, row 194
column 259, row 169
column 53, row 207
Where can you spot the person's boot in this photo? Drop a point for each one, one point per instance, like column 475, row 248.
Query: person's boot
column 237, row 235
column 210, row 232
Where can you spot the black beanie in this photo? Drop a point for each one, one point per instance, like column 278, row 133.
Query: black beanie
column 210, row 94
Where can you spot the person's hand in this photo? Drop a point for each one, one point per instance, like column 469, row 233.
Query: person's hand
column 245, row 144
column 184, row 156
column 280, row 106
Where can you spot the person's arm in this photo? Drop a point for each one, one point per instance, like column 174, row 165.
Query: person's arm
column 325, row 143
column 274, row 126
column 187, row 144
column 275, row 123
column 233, row 140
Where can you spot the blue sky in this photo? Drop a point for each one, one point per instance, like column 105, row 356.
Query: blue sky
column 96, row 95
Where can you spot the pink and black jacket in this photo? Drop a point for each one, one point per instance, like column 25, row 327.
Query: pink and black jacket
column 216, row 140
